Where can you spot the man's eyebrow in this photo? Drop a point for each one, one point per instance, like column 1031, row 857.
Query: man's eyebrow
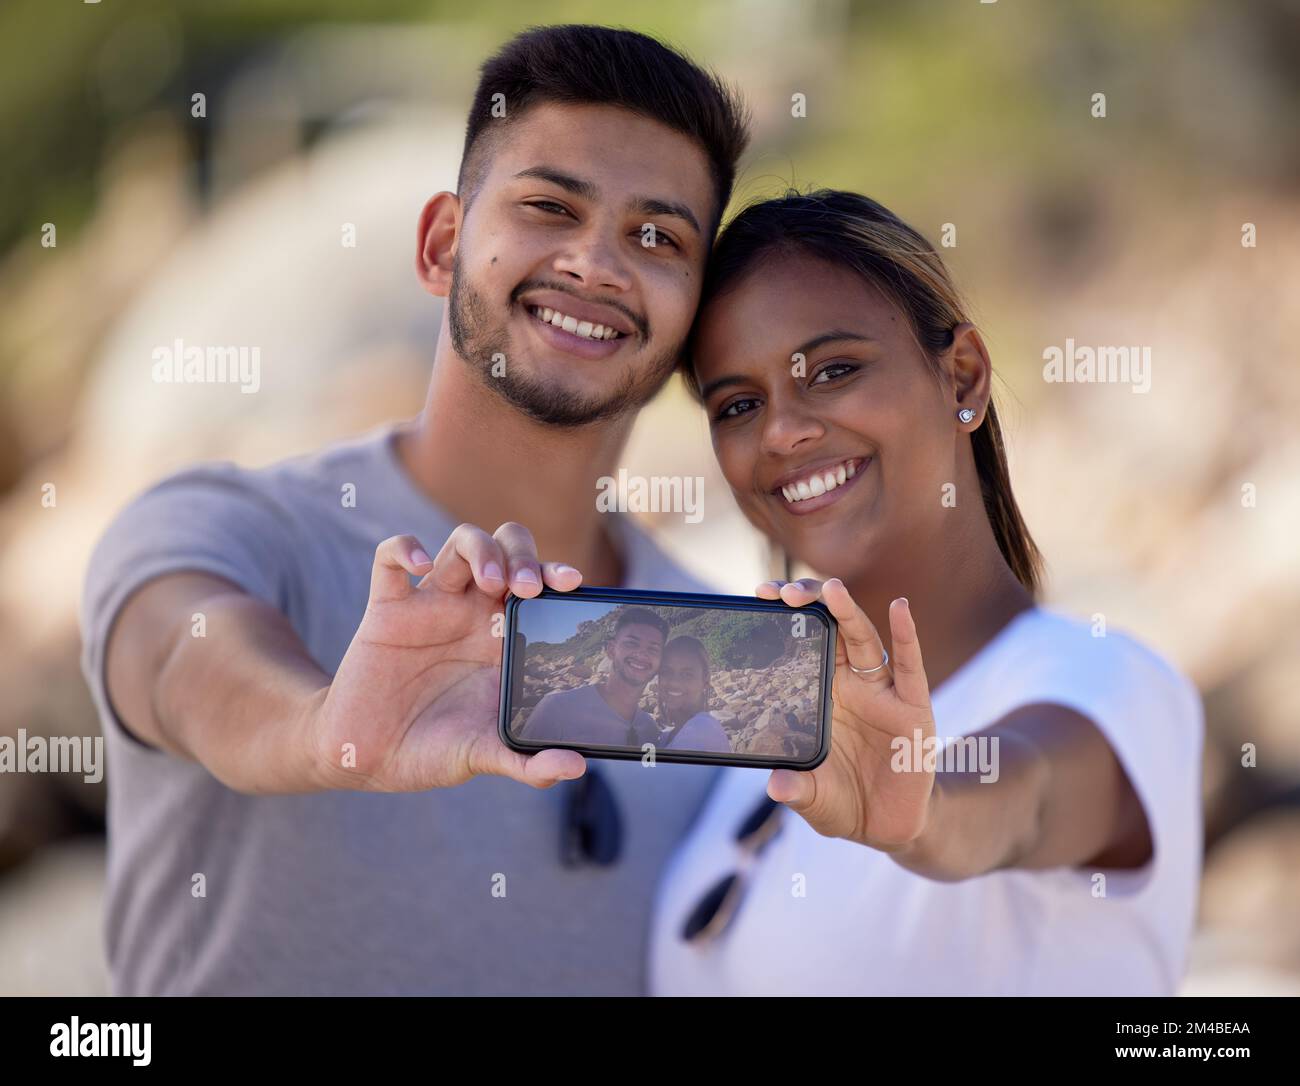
column 835, row 335
column 576, row 185
column 642, row 205
column 649, row 205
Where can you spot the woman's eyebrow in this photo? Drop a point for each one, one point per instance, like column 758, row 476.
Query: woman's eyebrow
column 721, row 382
column 835, row 335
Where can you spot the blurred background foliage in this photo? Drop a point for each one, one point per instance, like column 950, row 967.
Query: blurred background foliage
column 956, row 104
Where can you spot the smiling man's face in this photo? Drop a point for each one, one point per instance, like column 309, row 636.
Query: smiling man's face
column 561, row 223
column 634, row 654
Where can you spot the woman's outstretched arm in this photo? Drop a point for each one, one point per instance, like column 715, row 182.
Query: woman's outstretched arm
column 1040, row 788
column 1053, row 795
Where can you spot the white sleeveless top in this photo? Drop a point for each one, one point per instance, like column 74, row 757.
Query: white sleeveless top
column 865, row 925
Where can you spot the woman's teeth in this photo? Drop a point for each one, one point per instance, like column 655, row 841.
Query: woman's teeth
column 820, row 482
column 582, row 329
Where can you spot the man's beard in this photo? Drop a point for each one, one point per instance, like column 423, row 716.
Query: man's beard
column 631, row 680
column 478, row 342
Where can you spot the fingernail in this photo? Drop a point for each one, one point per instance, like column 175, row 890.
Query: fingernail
column 562, row 568
column 527, row 576
column 419, row 557
column 904, row 599
column 492, row 572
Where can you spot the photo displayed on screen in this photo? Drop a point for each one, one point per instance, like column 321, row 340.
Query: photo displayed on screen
column 689, row 679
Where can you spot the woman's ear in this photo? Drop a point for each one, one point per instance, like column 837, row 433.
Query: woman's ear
column 971, row 374
column 436, row 241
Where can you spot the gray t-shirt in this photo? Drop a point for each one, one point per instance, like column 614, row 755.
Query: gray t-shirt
column 583, row 716
column 352, row 892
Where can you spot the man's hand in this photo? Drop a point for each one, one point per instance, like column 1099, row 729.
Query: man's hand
column 414, row 702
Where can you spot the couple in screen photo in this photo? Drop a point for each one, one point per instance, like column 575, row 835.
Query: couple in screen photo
column 607, row 712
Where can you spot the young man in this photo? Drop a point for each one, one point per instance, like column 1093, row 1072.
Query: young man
column 264, row 667
column 607, row 711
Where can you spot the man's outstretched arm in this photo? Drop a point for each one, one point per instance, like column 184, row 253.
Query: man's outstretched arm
column 235, row 700
column 412, row 706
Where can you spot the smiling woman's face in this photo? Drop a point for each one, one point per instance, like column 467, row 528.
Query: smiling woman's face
column 681, row 682
column 843, row 459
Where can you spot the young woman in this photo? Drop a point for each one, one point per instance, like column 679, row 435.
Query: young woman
column 685, row 722
column 850, row 404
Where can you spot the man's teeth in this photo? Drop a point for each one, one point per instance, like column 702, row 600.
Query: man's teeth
column 584, row 329
column 818, row 483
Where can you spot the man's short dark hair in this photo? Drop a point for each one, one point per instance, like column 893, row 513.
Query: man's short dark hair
column 598, row 65
column 640, row 616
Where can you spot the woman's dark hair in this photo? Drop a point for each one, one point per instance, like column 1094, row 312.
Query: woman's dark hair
column 693, row 647
column 600, row 65
column 854, row 232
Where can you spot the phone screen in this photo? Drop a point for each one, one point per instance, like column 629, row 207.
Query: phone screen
column 730, row 680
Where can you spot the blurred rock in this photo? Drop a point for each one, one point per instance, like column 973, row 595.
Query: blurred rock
column 1251, row 890
column 51, row 923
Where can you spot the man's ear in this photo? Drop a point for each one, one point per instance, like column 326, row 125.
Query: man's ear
column 970, row 372
column 436, row 241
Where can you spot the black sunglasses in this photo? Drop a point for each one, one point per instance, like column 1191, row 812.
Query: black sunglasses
column 592, row 831
column 714, row 912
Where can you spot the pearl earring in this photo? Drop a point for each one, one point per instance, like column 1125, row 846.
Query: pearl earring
column 966, row 414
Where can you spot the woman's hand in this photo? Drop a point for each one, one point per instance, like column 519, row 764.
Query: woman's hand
column 414, row 702
column 856, row 792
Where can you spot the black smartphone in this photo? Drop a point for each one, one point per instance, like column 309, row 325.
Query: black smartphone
column 677, row 676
